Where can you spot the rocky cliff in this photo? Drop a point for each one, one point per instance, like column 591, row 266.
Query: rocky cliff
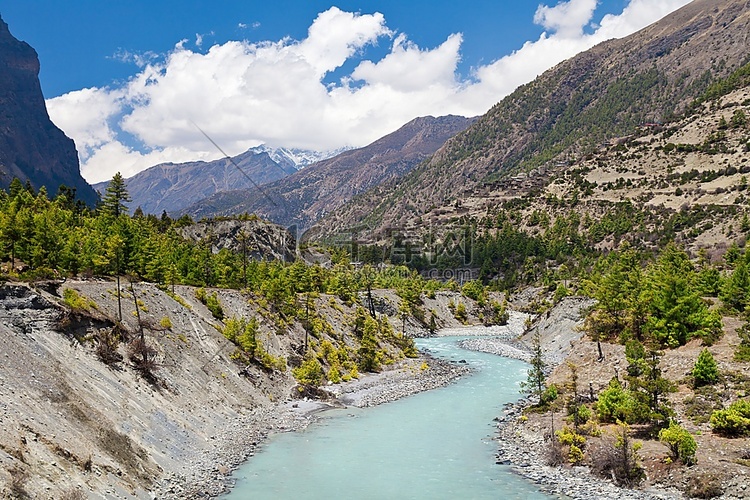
column 258, row 238
column 31, row 147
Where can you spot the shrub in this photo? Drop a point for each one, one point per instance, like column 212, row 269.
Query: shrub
column 334, row 375
column 460, row 313
column 77, row 302
column 618, row 459
column 615, row 403
column 554, row 455
column 699, row 409
column 475, row 290
column 578, row 414
column 743, row 349
column 211, row 302
column 680, row 442
column 143, row 357
column 734, row 421
column 242, row 332
column 497, row 313
column 549, row 395
column 268, row 361
column 106, row 346
column 165, row 322
column 705, row 370
column 575, row 443
column 309, row 372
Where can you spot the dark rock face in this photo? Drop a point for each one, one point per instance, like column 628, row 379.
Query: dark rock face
column 31, row 146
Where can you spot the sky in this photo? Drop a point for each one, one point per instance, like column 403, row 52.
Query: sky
column 133, row 82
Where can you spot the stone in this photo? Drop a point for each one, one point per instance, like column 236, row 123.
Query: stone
column 31, row 146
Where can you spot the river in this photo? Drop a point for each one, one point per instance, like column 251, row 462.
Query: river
column 436, row 444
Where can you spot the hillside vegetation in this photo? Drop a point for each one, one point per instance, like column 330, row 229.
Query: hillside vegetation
column 676, row 69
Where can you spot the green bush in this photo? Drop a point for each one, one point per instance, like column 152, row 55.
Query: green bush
column 549, row 395
column 165, row 322
column 616, row 403
column 76, row 301
column 680, row 442
column 269, row 361
column 743, row 349
column 575, row 443
column 579, row 414
column 734, row 421
column 499, row 313
column 211, row 302
column 309, row 372
column 460, row 313
column 475, row 290
column 705, row 371
column 334, row 375
column 242, row 332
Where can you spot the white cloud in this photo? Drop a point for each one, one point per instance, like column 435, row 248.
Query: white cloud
column 243, row 94
column 567, row 19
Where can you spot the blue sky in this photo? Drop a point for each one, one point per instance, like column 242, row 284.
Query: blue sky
column 126, row 79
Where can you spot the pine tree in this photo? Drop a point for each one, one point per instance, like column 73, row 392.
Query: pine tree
column 705, row 370
column 535, row 381
column 115, row 197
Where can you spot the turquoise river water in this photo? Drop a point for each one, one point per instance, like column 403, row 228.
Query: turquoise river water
column 433, row 445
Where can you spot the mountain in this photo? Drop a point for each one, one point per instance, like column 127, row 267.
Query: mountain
column 306, row 196
column 297, row 158
column 32, row 148
column 174, row 186
column 656, row 76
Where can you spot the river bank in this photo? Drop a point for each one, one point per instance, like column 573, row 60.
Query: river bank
column 521, row 443
column 523, row 449
column 210, row 475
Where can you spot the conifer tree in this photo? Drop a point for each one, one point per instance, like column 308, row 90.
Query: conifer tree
column 535, row 381
column 115, row 197
column 705, row 371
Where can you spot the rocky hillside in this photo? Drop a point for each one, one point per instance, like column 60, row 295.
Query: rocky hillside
column 258, row 239
column 306, row 196
column 592, row 101
column 171, row 187
column 32, row 148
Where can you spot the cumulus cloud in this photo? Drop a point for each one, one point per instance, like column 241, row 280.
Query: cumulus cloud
column 566, row 18
column 279, row 92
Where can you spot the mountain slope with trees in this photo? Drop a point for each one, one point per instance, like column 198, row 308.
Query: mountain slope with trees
column 651, row 77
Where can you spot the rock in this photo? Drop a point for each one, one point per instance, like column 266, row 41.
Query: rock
column 31, row 147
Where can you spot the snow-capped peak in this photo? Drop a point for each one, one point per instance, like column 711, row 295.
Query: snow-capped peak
column 297, row 158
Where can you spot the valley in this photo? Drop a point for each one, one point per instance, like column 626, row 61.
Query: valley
column 593, row 224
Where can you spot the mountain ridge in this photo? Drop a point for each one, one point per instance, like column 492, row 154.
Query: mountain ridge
column 171, row 187
column 308, row 194
column 599, row 95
